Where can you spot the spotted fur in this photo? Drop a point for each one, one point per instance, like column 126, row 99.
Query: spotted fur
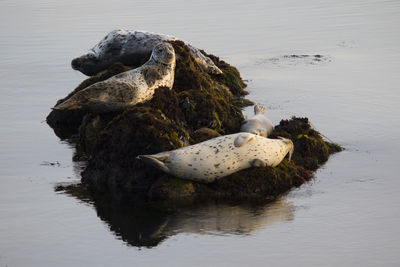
column 130, row 87
column 131, row 48
column 221, row 156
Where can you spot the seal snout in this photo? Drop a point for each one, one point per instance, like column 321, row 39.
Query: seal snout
column 76, row 64
column 87, row 64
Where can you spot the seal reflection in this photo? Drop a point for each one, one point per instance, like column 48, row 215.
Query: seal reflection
column 148, row 225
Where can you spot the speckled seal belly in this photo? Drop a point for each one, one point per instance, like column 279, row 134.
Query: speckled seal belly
column 130, row 87
column 131, row 48
column 221, row 156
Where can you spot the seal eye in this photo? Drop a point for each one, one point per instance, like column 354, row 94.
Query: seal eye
column 91, row 57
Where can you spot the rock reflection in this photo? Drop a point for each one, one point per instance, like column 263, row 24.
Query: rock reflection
column 148, row 225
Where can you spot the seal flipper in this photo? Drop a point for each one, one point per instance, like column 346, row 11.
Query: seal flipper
column 156, row 161
column 243, row 139
column 260, row 132
column 203, row 61
column 289, row 142
column 258, row 109
column 257, row 163
column 68, row 105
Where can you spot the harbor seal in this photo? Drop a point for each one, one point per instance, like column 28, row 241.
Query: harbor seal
column 131, row 48
column 130, row 87
column 221, row 156
column 258, row 124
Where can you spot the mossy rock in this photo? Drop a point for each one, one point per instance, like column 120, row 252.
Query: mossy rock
column 200, row 106
column 310, row 149
column 204, row 134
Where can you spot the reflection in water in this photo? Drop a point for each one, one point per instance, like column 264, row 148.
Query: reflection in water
column 237, row 218
column 148, row 225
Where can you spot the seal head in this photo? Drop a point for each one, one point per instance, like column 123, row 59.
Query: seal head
column 163, row 53
column 88, row 64
column 102, row 55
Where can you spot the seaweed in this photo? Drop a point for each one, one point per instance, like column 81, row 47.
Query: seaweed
column 310, row 149
column 230, row 76
column 200, row 106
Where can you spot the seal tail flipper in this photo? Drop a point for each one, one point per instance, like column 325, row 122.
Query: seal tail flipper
column 67, row 105
column 259, row 109
column 243, row 139
column 156, row 161
column 205, row 62
column 290, row 154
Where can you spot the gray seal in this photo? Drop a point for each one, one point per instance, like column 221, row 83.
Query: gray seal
column 221, row 156
column 130, row 87
column 131, row 48
column 258, row 124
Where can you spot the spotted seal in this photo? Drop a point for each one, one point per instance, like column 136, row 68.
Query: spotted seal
column 258, row 124
column 221, row 156
column 130, row 87
column 131, row 48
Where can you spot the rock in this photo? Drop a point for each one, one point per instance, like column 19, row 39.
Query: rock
column 310, row 149
column 200, row 106
column 204, row 134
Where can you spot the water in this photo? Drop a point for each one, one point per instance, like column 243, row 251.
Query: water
column 348, row 216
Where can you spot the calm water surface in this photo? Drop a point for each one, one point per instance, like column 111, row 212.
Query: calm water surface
column 348, row 216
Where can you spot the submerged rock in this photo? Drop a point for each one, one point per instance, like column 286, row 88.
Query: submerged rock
column 200, row 106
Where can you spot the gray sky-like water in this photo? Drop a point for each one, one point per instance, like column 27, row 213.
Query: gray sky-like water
column 348, row 216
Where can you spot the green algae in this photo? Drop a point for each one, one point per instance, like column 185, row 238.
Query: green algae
column 173, row 138
column 219, row 124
